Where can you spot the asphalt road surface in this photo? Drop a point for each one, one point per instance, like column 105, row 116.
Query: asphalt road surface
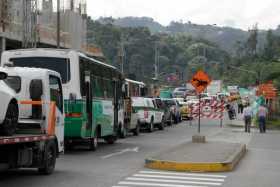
column 121, row 164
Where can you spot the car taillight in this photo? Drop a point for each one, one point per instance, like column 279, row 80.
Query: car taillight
column 146, row 114
column 73, row 115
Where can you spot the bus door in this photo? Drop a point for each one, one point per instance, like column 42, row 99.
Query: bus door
column 88, row 93
column 117, row 96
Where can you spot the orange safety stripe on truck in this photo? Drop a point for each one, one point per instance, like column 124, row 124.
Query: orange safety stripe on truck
column 31, row 102
column 52, row 119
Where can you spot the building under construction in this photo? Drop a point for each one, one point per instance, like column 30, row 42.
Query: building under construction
column 38, row 23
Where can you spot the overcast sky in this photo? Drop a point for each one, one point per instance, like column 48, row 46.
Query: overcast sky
column 234, row 13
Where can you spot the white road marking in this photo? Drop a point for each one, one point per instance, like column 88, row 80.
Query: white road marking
column 183, row 174
column 135, row 149
column 177, row 177
column 155, row 178
column 156, row 184
column 172, row 181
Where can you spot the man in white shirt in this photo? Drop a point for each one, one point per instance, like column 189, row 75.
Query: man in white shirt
column 247, row 116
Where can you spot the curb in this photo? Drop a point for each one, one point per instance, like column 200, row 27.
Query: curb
column 227, row 165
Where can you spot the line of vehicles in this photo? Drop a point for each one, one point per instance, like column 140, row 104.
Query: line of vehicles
column 55, row 99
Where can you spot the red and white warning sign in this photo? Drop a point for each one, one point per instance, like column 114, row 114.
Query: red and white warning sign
column 212, row 110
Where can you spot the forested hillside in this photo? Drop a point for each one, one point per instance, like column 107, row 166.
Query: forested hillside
column 183, row 48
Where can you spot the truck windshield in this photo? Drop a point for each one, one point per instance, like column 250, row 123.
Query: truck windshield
column 60, row 65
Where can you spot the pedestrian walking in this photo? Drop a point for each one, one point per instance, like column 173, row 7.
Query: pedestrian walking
column 240, row 106
column 247, row 116
column 262, row 113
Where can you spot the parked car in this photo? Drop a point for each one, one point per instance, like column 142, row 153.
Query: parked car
column 174, row 108
column 185, row 111
column 8, row 109
column 145, row 113
column 179, row 92
column 167, row 113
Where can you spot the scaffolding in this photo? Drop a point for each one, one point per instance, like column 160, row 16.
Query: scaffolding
column 34, row 23
column 30, row 31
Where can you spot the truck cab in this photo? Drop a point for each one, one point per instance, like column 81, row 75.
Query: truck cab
column 40, row 124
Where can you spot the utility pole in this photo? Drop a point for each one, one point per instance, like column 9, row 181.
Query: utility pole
column 58, row 25
column 121, row 54
column 156, row 61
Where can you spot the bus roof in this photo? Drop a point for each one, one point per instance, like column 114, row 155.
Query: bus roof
column 56, row 50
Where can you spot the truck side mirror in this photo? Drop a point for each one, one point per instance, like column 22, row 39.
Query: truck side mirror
column 36, row 89
column 3, row 75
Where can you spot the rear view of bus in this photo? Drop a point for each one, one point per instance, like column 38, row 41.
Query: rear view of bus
column 92, row 91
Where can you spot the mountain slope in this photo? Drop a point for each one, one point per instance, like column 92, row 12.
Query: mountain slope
column 224, row 37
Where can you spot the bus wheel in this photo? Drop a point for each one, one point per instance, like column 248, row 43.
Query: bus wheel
column 68, row 146
column 136, row 131
column 110, row 139
column 49, row 159
column 93, row 143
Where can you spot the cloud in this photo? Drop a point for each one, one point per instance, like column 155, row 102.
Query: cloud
column 237, row 13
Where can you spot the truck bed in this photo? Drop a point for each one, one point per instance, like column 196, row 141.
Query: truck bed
column 23, row 138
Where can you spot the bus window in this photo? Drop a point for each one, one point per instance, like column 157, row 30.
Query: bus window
column 60, row 65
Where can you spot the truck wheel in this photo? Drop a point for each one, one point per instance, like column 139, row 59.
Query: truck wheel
column 161, row 125
column 93, row 143
column 49, row 159
column 136, row 131
column 110, row 139
column 151, row 126
column 11, row 120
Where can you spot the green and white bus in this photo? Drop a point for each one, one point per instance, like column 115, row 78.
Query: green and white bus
column 92, row 92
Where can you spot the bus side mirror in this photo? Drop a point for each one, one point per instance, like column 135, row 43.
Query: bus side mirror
column 3, row 75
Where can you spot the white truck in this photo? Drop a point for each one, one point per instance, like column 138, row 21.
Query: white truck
column 36, row 136
column 146, row 114
column 215, row 87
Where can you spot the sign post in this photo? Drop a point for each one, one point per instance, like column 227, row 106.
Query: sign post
column 199, row 112
column 200, row 81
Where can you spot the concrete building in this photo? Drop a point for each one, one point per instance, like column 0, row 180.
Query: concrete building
column 33, row 23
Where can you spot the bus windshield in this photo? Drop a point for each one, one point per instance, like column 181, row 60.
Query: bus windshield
column 60, row 65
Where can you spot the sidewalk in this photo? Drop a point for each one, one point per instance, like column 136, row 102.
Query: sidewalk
column 238, row 122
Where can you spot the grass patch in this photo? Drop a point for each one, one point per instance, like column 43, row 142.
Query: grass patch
column 273, row 124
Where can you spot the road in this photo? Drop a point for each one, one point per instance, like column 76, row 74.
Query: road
column 121, row 164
